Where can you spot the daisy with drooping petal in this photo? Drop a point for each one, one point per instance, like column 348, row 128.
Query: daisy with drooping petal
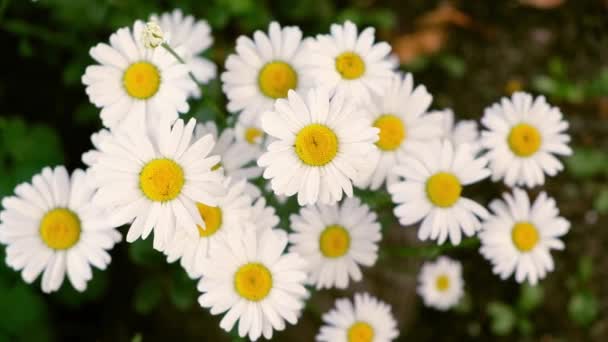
column 518, row 237
column 154, row 182
column 400, row 114
column 263, row 216
column 440, row 283
column 232, row 213
column 336, row 240
column 264, row 69
column 51, row 227
column 192, row 37
column 250, row 279
column 349, row 63
column 238, row 158
column 320, row 146
column 90, row 157
column 523, row 137
column 367, row 320
column 461, row 132
column 431, row 191
column 133, row 84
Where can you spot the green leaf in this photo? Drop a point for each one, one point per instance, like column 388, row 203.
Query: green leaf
column 503, row 318
column 545, row 85
column 525, row 327
column 183, row 290
column 454, row 65
column 583, row 308
column 585, row 268
column 22, row 308
column 530, row 297
column 601, row 202
column 587, row 163
column 142, row 253
column 147, row 296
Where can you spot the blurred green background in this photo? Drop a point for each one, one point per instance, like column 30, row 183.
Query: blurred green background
column 468, row 54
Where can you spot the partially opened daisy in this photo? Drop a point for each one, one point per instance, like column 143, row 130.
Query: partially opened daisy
column 154, row 182
column 461, row 132
column 518, row 236
column 264, row 69
column 132, row 83
column 319, row 148
column 523, row 137
column 238, row 158
column 336, row 240
column 350, row 63
column 232, row 213
column 440, row 283
column 192, row 37
column 253, row 282
column 365, row 320
column 248, row 129
column 51, row 227
column 431, row 191
column 400, row 113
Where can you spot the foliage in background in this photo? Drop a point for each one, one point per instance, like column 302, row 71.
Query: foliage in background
column 468, row 54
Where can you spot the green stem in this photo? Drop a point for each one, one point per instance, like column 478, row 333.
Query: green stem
column 179, row 59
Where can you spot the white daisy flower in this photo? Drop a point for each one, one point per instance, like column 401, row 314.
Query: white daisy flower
column 238, row 158
column 50, row 226
column 154, row 183
column 368, row 319
column 523, row 137
column 349, row 63
column 90, row 157
column 518, row 237
column 250, row 279
column 264, row 69
column 440, row 283
column 192, row 37
column 400, row 114
column 248, row 129
column 461, row 132
column 263, row 216
column 320, row 147
column 132, row 83
column 431, row 191
column 335, row 240
column 232, row 213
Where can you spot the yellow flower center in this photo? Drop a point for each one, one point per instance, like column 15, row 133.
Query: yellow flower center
column 216, row 166
column 161, row 180
column 442, row 283
column 443, row 189
column 334, row 241
column 360, row 332
column 276, row 78
column 316, row 145
column 350, row 65
column 212, row 217
column 524, row 236
column 141, row 80
column 253, row 281
column 60, row 228
column 524, row 140
column 392, row 132
column 252, row 134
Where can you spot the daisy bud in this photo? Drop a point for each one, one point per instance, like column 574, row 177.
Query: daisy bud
column 152, row 35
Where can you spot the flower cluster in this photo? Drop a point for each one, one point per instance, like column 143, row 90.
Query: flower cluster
column 316, row 118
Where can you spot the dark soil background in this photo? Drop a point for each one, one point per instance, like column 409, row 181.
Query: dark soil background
column 467, row 53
